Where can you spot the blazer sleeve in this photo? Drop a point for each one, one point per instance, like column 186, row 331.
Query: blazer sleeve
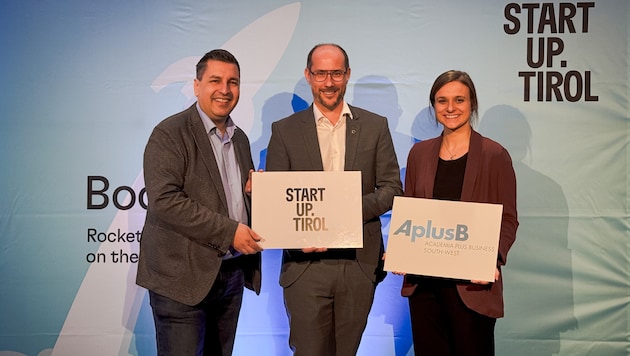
column 507, row 196
column 387, row 182
column 277, row 157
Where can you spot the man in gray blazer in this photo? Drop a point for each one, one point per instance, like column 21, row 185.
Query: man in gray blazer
column 197, row 251
column 329, row 292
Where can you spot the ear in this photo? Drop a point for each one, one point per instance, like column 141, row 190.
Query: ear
column 196, row 86
column 307, row 75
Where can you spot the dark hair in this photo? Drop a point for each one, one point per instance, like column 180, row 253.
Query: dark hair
column 216, row 55
column 309, row 59
column 456, row 76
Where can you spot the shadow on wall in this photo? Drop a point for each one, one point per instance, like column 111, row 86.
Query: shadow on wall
column 538, row 275
column 379, row 95
column 425, row 125
column 276, row 108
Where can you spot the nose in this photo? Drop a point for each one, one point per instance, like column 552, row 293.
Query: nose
column 225, row 87
column 328, row 81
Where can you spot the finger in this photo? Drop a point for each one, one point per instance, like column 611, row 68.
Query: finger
column 249, row 250
column 256, row 247
column 253, row 243
column 254, row 236
column 248, row 184
column 480, row 282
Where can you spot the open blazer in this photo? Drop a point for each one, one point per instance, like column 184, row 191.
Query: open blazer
column 294, row 147
column 187, row 229
column 489, row 178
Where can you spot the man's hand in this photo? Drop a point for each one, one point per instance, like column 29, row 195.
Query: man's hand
column 246, row 240
column 248, row 184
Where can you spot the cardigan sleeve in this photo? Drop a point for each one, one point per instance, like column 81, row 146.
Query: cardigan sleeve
column 507, row 196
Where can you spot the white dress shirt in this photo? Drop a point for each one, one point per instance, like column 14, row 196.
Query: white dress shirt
column 332, row 138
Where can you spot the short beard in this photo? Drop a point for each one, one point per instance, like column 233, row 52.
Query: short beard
column 335, row 104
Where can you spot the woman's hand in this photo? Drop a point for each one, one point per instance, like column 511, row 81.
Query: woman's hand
column 496, row 278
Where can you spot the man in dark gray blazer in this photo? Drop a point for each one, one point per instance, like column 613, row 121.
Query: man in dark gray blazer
column 329, row 292
column 197, row 252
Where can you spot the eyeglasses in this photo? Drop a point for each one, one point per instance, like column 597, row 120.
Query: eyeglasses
column 335, row 75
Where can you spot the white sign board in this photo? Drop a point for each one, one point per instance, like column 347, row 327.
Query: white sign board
column 444, row 238
column 308, row 209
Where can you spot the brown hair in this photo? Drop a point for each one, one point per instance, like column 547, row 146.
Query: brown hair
column 456, row 76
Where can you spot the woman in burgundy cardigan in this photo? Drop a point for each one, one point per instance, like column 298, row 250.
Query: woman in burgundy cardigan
column 457, row 317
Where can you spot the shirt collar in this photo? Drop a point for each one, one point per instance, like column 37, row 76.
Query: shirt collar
column 345, row 112
column 208, row 124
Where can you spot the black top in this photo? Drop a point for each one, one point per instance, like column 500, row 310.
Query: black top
column 449, row 179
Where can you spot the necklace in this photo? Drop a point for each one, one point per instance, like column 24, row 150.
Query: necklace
column 459, row 148
column 449, row 152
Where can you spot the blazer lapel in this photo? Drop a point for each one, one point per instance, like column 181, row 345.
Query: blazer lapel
column 353, row 128
column 309, row 134
column 240, row 151
column 207, row 154
column 472, row 166
column 431, row 171
column 243, row 157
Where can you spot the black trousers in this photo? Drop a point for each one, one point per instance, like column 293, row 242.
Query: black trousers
column 442, row 325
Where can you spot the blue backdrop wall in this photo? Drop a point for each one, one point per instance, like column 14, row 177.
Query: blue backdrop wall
column 84, row 82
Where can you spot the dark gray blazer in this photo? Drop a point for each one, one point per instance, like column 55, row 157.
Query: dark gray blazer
column 294, row 147
column 187, row 229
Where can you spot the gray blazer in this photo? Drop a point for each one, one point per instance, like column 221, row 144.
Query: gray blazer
column 187, row 229
column 294, row 147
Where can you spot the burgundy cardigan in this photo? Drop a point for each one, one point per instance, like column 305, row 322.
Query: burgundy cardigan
column 489, row 178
